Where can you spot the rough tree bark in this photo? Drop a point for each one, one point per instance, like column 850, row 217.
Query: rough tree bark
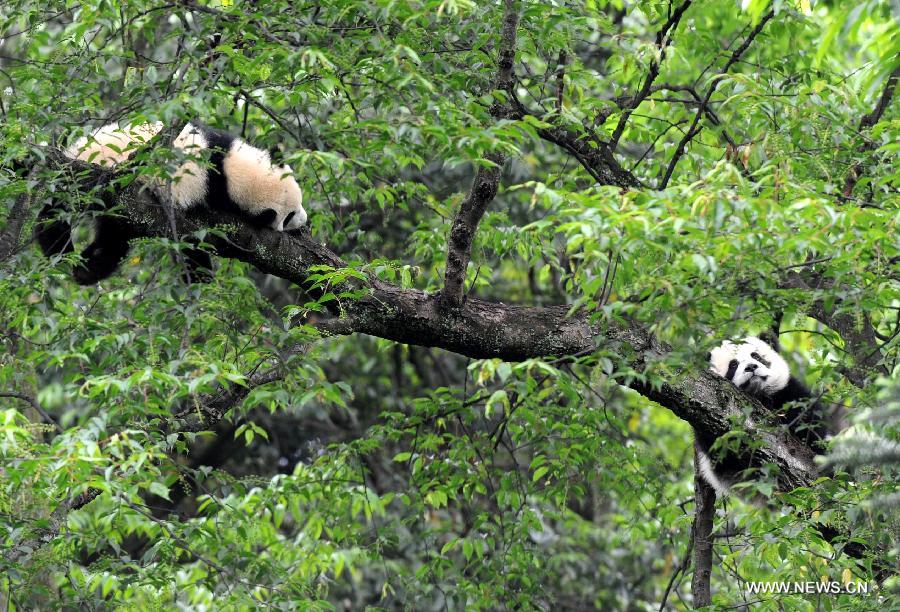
column 701, row 532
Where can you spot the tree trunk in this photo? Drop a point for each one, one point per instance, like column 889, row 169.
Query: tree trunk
column 704, row 512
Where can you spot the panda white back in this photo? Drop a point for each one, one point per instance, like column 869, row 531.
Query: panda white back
column 188, row 187
column 255, row 186
column 111, row 144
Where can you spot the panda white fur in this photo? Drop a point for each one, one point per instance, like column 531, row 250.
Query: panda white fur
column 756, row 368
column 236, row 177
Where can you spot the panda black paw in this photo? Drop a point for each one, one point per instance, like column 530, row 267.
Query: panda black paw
column 85, row 275
column 100, row 260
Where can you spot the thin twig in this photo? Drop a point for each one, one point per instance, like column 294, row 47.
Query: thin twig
column 695, row 128
column 36, row 405
column 662, row 42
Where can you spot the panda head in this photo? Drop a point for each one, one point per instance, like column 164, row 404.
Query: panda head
column 263, row 190
column 752, row 365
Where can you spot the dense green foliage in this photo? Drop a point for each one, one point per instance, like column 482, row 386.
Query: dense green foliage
column 368, row 473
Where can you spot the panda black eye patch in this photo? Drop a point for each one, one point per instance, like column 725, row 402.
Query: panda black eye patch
column 757, row 356
column 288, row 218
column 732, row 368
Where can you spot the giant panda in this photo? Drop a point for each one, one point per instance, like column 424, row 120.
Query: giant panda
column 236, row 177
column 757, row 369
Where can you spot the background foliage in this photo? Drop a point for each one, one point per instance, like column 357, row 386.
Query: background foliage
column 375, row 474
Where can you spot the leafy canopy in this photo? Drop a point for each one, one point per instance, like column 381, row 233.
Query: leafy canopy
column 371, row 474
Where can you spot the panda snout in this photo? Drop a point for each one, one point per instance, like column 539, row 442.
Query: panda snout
column 295, row 219
column 750, row 367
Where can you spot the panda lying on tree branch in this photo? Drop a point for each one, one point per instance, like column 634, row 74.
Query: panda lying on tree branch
column 237, row 178
column 757, row 369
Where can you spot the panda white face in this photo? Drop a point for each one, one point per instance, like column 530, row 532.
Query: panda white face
column 753, row 366
column 261, row 188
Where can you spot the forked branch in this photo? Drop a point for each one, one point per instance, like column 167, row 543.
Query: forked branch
column 701, row 109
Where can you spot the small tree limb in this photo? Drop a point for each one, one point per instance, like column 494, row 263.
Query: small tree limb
column 487, row 178
column 869, row 120
column 49, row 420
column 662, row 43
column 701, row 110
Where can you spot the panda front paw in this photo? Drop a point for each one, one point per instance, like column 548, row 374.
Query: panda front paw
column 99, row 260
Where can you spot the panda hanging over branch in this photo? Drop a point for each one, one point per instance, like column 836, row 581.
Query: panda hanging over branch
column 222, row 172
column 757, row 369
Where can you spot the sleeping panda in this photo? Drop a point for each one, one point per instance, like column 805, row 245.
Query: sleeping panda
column 237, row 177
column 757, row 369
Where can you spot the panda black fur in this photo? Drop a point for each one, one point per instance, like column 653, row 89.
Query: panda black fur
column 238, row 178
column 757, row 369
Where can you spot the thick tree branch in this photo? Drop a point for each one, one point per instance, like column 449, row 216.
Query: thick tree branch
column 479, row 329
column 465, row 225
column 487, row 178
column 695, row 127
column 507, row 54
column 869, row 120
column 598, row 160
column 560, row 80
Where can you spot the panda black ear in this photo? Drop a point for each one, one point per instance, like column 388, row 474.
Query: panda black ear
column 770, row 338
column 709, row 355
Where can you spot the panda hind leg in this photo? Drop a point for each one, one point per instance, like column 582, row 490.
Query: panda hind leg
column 102, row 256
column 53, row 233
column 198, row 266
